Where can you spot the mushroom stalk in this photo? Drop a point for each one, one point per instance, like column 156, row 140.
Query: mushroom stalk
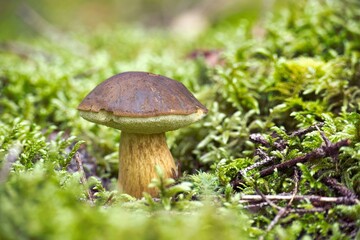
column 138, row 156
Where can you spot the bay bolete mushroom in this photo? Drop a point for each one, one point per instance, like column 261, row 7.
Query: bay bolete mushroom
column 143, row 106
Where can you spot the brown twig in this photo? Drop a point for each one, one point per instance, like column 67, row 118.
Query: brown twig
column 285, row 210
column 326, row 140
column 266, row 199
column 110, row 200
column 339, row 188
column 296, row 185
column 328, row 149
column 256, row 205
column 263, row 155
column 258, row 138
column 335, row 155
column 302, row 132
column 321, row 152
column 312, row 210
column 83, row 177
column 280, row 144
column 311, row 198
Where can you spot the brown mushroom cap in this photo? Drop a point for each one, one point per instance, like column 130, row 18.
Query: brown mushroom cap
column 141, row 102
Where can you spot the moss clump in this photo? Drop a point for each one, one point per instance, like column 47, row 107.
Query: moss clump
column 290, row 92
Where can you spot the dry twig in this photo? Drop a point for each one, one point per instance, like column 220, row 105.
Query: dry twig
column 263, row 155
column 266, row 199
column 302, row 132
column 339, row 188
column 311, row 198
column 320, row 203
column 258, row 138
column 285, row 210
column 321, row 152
column 83, row 177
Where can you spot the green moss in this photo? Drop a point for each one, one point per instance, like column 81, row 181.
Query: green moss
column 303, row 70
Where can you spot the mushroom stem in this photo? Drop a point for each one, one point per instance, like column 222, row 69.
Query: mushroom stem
column 138, row 156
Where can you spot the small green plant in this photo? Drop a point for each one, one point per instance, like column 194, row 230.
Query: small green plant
column 168, row 190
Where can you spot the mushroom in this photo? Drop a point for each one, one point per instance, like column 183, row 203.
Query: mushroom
column 143, row 106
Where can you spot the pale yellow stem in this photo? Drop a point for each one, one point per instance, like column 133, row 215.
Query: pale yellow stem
column 139, row 154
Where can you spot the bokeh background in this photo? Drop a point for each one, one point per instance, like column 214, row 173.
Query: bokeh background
column 186, row 17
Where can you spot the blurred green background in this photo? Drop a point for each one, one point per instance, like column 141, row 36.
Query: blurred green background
column 188, row 17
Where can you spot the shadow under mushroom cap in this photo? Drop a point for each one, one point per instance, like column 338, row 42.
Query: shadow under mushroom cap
column 148, row 125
